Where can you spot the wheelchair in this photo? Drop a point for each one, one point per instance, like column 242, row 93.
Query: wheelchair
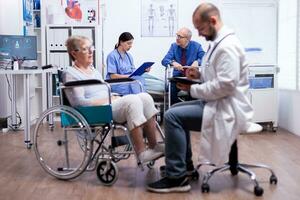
column 70, row 140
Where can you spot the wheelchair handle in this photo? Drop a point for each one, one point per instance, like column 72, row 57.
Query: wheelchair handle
column 124, row 80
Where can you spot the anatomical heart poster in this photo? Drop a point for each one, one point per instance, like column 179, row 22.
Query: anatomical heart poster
column 81, row 11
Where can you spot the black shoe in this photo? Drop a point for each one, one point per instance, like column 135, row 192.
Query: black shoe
column 166, row 185
column 192, row 174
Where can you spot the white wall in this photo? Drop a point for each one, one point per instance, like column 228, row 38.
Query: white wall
column 124, row 16
column 11, row 13
column 289, row 109
column 287, row 40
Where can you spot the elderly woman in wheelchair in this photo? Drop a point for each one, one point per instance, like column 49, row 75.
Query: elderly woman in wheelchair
column 94, row 112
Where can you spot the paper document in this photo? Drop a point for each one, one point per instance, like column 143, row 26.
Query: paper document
column 140, row 70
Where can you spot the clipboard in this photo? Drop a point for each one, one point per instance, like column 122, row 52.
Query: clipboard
column 185, row 80
column 141, row 69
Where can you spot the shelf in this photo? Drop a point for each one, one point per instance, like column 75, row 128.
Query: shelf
column 37, row 28
column 58, row 51
column 36, row 10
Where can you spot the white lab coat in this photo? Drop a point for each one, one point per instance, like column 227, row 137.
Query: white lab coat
column 228, row 110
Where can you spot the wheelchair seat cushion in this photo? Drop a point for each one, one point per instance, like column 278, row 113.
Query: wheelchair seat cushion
column 93, row 115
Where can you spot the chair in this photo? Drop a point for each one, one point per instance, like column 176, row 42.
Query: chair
column 235, row 167
column 78, row 141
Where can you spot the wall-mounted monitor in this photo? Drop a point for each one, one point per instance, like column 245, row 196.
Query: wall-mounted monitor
column 16, row 47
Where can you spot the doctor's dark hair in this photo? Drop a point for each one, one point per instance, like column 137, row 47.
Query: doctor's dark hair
column 126, row 36
column 206, row 11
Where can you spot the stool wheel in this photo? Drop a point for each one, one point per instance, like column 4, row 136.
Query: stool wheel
column 205, row 188
column 258, row 191
column 59, row 142
column 234, row 171
column 273, row 179
column 107, row 172
column 29, row 145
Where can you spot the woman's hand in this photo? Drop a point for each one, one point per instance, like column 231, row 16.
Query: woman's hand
column 114, row 97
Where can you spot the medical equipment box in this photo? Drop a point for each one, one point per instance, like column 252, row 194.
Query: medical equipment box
column 260, row 82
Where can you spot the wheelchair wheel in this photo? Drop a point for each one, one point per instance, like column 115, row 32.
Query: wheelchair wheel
column 107, row 172
column 64, row 148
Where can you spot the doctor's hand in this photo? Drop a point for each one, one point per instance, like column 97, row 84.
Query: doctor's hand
column 184, row 87
column 192, row 73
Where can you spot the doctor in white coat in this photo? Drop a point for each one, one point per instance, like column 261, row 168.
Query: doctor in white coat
column 223, row 109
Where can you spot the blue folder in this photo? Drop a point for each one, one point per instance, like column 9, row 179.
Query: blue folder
column 139, row 71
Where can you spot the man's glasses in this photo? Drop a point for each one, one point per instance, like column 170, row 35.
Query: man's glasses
column 179, row 36
column 86, row 49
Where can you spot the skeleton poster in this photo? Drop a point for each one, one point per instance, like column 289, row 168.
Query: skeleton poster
column 159, row 18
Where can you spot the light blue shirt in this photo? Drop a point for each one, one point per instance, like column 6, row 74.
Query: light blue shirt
column 84, row 95
column 116, row 64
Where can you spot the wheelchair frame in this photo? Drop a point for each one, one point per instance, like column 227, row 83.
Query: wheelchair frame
column 86, row 158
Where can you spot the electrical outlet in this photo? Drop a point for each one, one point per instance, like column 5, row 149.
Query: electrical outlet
column 3, row 123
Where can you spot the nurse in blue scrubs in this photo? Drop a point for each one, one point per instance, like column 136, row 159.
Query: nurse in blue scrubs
column 120, row 65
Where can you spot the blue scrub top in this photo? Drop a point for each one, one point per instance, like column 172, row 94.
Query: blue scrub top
column 118, row 65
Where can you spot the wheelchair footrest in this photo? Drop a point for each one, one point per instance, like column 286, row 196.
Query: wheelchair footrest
column 119, row 140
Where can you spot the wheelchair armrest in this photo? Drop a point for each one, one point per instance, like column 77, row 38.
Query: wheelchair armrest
column 128, row 80
column 82, row 82
column 119, row 80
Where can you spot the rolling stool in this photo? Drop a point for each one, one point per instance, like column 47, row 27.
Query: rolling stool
column 234, row 166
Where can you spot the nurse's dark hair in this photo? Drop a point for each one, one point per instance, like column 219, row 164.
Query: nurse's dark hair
column 126, row 36
column 206, row 10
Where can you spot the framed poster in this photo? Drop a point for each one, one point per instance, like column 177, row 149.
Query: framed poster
column 77, row 12
column 159, row 18
column 81, row 11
